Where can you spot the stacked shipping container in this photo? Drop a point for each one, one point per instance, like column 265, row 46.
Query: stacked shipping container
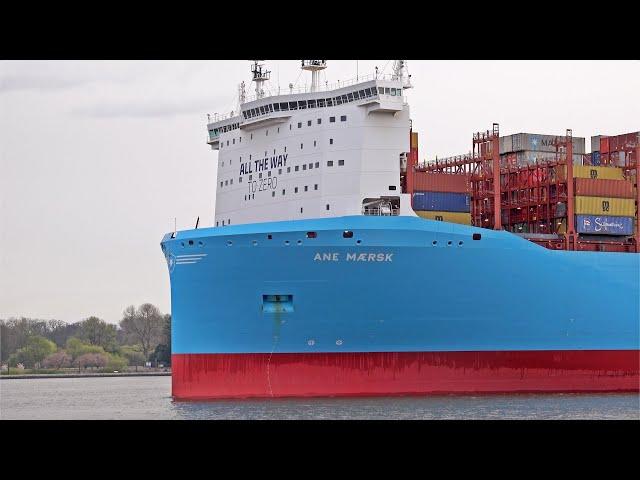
column 442, row 196
column 523, row 149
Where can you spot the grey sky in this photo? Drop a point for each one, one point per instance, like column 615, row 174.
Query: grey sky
column 98, row 157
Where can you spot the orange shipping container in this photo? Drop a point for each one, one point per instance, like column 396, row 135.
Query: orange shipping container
column 595, row 187
column 441, row 182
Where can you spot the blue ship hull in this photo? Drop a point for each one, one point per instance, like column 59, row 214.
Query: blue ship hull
column 291, row 291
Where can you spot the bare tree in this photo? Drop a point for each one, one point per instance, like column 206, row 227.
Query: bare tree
column 143, row 325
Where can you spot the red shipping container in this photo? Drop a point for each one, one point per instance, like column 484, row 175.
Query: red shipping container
column 594, row 187
column 604, row 145
column 441, row 182
column 623, row 142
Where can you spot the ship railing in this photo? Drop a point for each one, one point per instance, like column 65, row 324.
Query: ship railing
column 386, row 212
column 323, row 87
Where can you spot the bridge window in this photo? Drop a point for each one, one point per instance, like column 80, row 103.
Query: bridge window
column 284, row 106
column 312, row 104
column 302, row 104
column 293, row 105
column 320, row 104
column 329, row 102
column 350, row 97
column 276, row 107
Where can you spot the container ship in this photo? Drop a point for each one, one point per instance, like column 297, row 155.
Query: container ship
column 341, row 266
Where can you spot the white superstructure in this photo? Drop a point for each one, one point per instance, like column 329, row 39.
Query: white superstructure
column 332, row 151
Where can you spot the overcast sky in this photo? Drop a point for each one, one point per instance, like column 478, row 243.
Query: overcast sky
column 98, row 157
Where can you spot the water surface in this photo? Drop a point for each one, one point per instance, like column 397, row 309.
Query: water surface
column 150, row 398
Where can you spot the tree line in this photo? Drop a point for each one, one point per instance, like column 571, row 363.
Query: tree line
column 143, row 335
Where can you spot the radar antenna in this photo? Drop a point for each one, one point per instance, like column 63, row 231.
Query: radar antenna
column 314, row 66
column 259, row 76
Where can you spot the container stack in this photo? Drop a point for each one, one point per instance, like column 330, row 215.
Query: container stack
column 604, row 201
column 522, row 149
column 442, row 196
column 613, row 150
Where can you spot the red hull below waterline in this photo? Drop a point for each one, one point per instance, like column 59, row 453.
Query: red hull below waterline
column 210, row 376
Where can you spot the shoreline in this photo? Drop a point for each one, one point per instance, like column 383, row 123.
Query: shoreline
column 84, row 375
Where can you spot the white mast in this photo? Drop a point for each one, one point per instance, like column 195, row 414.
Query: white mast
column 259, row 76
column 399, row 69
column 314, row 66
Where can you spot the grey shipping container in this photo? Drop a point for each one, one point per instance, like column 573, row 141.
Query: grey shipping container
column 528, row 157
column 595, row 142
column 537, row 142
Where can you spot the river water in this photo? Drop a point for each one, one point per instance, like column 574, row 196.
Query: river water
column 150, row 398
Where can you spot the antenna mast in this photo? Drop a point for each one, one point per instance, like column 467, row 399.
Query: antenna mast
column 259, row 76
column 399, row 70
column 314, row 66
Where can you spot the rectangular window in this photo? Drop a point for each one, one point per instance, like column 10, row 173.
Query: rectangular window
column 276, row 107
column 297, row 168
column 315, row 187
column 295, row 190
column 350, row 97
column 317, row 164
column 331, row 141
column 250, row 177
column 283, row 191
column 279, row 171
column 299, row 124
column 221, row 184
column 392, row 187
column 321, row 103
column 293, row 105
column 337, row 101
column 288, row 169
column 269, row 173
column 312, row 104
column 308, row 123
column 329, row 102
column 361, row 93
column 301, row 146
column 226, row 182
column 302, row 104
column 260, row 175
column 386, row 91
column 284, row 106
column 340, row 162
column 262, row 110
column 306, row 188
column 314, row 143
column 332, row 119
column 343, row 118
column 310, row 166
column 319, row 121
column 239, row 179
column 380, row 90
column 330, row 163
column 304, row 167
column 327, row 206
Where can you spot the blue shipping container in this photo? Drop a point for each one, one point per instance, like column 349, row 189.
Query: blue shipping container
column 603, row 225
column 441, row 201
column 595, row 159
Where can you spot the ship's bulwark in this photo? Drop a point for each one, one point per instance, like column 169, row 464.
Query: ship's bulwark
column 404, row 316
column 401, row 373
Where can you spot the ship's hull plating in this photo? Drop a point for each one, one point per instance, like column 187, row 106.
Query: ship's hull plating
column 388, row 311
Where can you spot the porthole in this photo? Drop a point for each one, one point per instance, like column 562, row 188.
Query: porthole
column 182, row 243
column 229, row 243
column 299, row 242
column 358, row 242
column 460, row 243
column 287, row 242
column 347, row 234
column 200, row 243
column 190, row 242
column 434, row 243
column 269, row 237
column 254, row 243
column 449, row 243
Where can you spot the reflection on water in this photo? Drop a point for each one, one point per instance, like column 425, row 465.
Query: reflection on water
column 149, row 398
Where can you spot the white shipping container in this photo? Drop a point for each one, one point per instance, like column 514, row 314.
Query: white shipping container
column 535, row 142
